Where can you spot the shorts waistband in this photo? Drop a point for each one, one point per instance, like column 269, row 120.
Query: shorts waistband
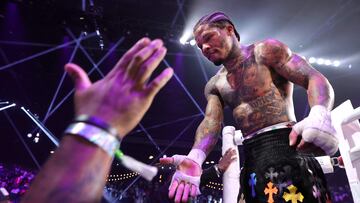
column 272, row 144
column 284, row 125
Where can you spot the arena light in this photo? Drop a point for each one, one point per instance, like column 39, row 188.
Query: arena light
column 185, row 37
column 8, row 106
column 182, row 41
column 312, row 60
column 336, row 63
column 36, row 139
column 151, row 157
column 326, row 62
column 192, row 42
column 320, row 61
column 41, row 126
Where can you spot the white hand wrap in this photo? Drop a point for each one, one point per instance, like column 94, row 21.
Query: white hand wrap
column 317, row 129
column 195, row 155
column 182, row 177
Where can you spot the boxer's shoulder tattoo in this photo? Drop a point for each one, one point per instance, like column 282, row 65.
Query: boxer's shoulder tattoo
column 210, row 87
column 272, row 53
column 278, row 56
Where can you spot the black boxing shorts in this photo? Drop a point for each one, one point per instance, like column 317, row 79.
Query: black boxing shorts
column 275, row 172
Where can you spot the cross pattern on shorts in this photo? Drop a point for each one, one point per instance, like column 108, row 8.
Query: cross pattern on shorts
column 283, row 185
column 293, row 196
column 270, row 190
column 252, row 183
column 316, row 193
column 271, row 174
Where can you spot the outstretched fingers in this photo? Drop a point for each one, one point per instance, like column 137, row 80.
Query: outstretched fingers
column 193, row 190
column 141, row 57
column 172, row 189
column 179, row 192
column 159, row 82
column 124, row 61
column 150, row 65
column 186, row 192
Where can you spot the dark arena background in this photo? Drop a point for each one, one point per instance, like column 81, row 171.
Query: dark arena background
column 37, row 37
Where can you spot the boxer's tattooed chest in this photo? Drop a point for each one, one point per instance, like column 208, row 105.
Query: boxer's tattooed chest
column 255, row 100
column 261, row 112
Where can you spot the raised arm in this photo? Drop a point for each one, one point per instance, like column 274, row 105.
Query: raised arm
column 77, row 171
column 316, row 130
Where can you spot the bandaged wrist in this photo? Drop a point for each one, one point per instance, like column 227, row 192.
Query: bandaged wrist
column 197, row 155
column 317, row 128
column 319, row 110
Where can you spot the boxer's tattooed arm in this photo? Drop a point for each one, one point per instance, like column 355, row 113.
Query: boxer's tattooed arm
column 209, row 129
column 276, row 55
column 319, row 90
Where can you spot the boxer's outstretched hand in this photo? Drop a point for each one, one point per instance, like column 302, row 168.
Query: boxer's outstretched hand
column 186, row 179
column 123, row 96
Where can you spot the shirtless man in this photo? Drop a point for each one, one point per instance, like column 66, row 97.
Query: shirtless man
column 256, row 82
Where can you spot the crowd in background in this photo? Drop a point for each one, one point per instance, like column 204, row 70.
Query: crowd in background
column 16, row 180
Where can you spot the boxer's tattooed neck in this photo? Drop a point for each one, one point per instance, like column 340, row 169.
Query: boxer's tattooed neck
column 236, row 59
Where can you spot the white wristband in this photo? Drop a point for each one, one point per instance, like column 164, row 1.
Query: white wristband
column 95, row 135
column 197, row 155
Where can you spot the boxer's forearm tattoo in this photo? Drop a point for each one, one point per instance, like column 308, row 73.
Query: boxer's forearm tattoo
column 208, row 131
